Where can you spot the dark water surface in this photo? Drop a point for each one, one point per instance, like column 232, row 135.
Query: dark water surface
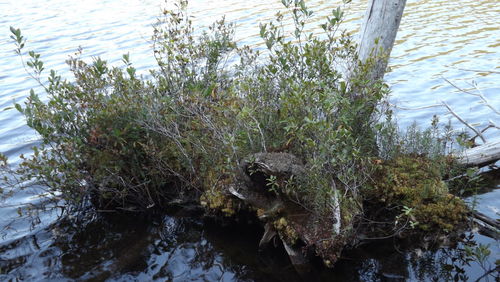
column 458, row 40
column 173, row 247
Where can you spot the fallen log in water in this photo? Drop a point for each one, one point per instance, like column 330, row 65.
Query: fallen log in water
column 487, row 226
column 482, row 155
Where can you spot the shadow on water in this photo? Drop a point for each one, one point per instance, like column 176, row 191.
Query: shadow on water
column 170, row 248
column 179, row 248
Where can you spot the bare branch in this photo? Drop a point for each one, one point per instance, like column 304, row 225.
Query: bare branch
column 479, row 94
column 415, row 109
column 464, row 122
column 486, row 102
column 486, row 71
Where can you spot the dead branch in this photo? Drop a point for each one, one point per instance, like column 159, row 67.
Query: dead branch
column 478, row 132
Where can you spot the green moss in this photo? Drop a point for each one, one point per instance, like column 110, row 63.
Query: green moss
column 445, row 213
column 415, row 184
column 217, row 201
column 286, row 231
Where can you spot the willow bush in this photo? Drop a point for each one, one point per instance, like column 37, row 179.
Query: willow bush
column 123, row 141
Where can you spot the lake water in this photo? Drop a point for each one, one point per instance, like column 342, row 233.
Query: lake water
column 439, row 39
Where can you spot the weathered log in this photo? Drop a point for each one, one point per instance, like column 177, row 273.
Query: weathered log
column 486, row 219
column 269, row 234
column 297, row 258
column 299, row 228
column 378, row 32
column 486, row 230
column 481, row 155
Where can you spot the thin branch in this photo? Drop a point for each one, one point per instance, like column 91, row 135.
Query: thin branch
column 491, row 125
column 491, row 271
column 473, row 70
column 486, row 102
column 415, row 109
column 464, row 122
column 479, row 94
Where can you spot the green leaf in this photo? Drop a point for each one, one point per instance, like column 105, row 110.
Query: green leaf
column 470, row 172
column 19, row 108
column 126, row 58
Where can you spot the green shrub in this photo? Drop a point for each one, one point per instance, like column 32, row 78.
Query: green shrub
column 122, row 141
column 125, row 142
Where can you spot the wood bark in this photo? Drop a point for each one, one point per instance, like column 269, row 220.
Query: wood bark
column 483, row 155
column 487, row 226
column 378, row 33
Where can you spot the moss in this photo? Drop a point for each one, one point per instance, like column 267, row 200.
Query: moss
column 415, row 184
column 217, row 201
column 260, row 213
column 445, row 213
column 330, row 249
column 286, row 231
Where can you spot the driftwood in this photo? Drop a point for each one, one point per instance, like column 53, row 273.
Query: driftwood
column 486, row 219
column 487, row 226
column 481, row 155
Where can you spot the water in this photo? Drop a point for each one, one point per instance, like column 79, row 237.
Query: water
column 456, row 40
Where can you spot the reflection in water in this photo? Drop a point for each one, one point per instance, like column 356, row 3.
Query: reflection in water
column 145, row 248
column 457, row 40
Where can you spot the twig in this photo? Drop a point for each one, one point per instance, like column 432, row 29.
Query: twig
column 478, row 94
column 486, row 102
column 488, row 273
column 491, row 125
column 464, row 122
column 415, row 109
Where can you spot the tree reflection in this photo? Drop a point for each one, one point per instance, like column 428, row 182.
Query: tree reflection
column 185, row 248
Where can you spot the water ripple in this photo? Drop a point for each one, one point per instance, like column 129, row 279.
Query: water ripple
column 456, row 40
